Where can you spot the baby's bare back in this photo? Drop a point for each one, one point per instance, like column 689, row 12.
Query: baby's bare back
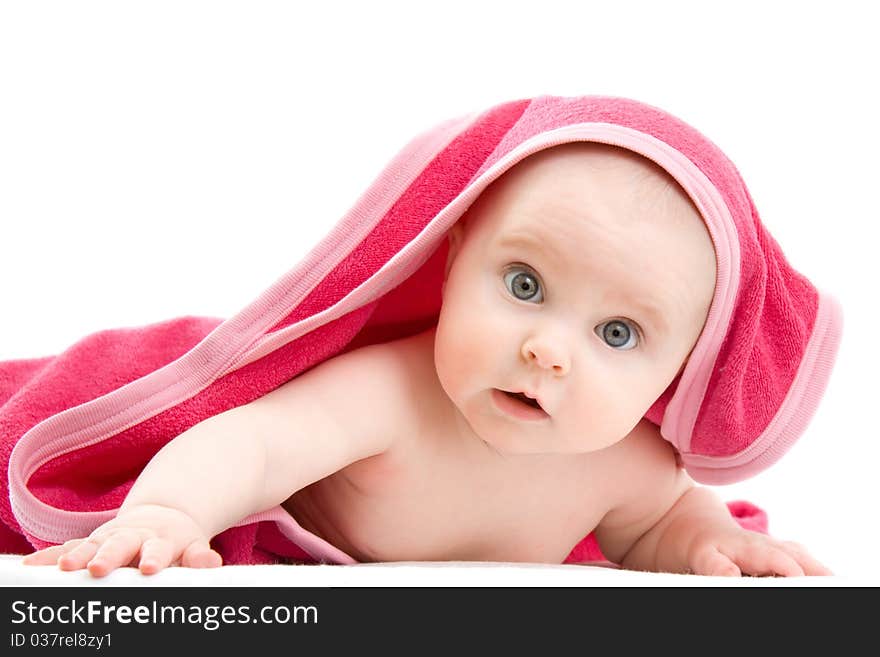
column 440, row 493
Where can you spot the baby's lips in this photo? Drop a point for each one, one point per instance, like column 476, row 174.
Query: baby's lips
column 530, row 395
column 536, row 397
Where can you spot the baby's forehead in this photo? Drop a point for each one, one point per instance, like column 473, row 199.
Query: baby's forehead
column 587, row 203
column 585, row 158
column 597, row 178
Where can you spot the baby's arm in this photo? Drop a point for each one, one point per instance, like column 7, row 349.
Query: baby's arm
column 664, row 522
column 242, row 461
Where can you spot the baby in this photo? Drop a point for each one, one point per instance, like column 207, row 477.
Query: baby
column 507, row 432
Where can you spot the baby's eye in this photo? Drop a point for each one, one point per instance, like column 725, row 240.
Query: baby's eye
column 618, row 334
column 523, row 284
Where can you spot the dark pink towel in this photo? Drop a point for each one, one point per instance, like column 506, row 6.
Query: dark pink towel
column 77, row 428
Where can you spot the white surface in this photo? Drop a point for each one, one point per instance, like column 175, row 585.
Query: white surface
column 141, row 144
column 12, row 573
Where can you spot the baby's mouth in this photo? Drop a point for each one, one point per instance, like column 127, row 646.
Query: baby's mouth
column 525, row 399
column 519, row 405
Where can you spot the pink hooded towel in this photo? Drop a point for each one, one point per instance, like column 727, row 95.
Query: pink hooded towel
column 76, row 429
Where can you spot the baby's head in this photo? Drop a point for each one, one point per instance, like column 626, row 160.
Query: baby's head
column 582, row 277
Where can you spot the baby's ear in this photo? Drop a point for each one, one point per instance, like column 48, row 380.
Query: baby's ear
column 456, row 237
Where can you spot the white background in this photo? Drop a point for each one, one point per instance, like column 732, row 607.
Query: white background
column 169, row 158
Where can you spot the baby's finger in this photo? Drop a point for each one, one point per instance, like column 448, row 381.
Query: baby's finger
column 710, row 561
column 200, row 555
column 118, row 550
column 764, row 559
column 79, row 556
column 48, row 556
column 810, row 565
column 156, row 554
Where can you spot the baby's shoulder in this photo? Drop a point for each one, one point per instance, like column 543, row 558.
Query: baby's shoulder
column 394, row 361
column 643, row 480
column 359, row 398
column 638, row 465
column 391, row 378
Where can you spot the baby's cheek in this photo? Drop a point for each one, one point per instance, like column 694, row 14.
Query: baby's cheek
column 607, row 413
column 459, row 350
column 449, row 354
column 463, row 352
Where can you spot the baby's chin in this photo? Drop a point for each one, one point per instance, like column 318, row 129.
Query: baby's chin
column 538, row 439
column 508, row 447
column 480, row 420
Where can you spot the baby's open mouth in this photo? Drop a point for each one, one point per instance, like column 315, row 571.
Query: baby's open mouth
column 518, row 405
column 523, row 398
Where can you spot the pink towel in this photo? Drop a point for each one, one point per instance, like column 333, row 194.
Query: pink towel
column 77, row 428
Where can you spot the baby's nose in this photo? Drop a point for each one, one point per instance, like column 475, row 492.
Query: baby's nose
column 546, row 355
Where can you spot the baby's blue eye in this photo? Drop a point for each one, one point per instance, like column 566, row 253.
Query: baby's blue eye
column 523, row 285
column 618, row 334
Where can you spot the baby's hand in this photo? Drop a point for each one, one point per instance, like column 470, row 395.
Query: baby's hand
column 150, row 537
column 732, row 552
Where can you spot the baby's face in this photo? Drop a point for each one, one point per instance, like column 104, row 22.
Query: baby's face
column 583, row 277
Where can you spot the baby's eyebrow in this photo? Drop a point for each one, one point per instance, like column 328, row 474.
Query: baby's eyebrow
column 529, row 241
column 654, row 314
